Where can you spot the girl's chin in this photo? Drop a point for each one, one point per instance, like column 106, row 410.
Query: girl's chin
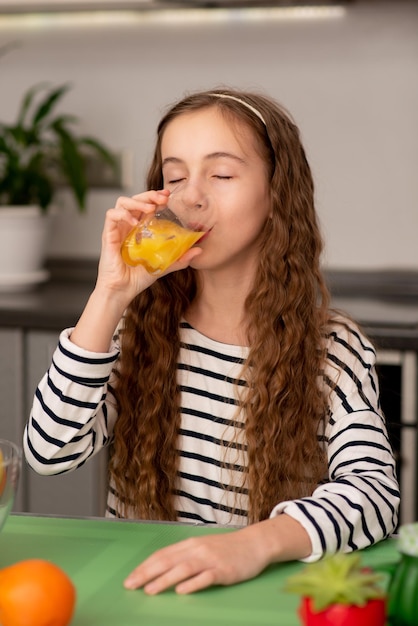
column 196, row 262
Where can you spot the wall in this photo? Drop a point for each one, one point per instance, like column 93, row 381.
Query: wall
column 350, row 83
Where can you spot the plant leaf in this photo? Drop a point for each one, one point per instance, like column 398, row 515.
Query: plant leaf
column 27, row 101
column 40, row 149
column 339, row 579
column 48, row 103
column 63, row 120
column 101, row 150
column 72, row 164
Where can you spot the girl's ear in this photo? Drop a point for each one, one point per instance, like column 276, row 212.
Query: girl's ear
column 271, row 209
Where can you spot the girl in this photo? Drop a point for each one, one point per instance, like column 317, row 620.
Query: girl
column 229, row 393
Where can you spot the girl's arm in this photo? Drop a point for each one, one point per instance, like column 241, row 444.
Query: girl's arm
column 359, row 504
column 117, row 283
column 73, row 410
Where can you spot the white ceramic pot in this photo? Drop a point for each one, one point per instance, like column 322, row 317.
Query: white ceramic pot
column 24, row 234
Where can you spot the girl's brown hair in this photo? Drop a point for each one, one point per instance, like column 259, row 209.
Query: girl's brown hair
column 287, row 313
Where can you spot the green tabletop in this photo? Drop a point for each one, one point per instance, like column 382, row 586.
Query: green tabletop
column 98, row 554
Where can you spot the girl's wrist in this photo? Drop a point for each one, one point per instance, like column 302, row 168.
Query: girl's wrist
column 110, row 299
column 99, row 320
column 281, row 538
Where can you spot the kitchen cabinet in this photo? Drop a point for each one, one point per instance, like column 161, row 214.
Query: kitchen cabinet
column 12, row 408
column 26, row 355
column 392, row 324
column 82, row 492
column 30, row 323
column 398, row 379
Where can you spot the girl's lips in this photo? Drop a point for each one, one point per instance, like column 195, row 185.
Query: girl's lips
column 204, row 236
column 197, row 226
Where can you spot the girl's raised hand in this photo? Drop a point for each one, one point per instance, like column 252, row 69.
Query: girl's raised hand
column 114, row 274
column 118, row 283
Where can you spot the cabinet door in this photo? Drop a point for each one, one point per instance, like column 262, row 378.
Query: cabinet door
column 12, row 411
column 398, row 381
column 78, row 493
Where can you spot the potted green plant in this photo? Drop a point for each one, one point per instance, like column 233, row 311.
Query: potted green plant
column 338, row 591
column 39, row 152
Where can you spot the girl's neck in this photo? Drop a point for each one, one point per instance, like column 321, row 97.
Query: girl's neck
column 218, row 310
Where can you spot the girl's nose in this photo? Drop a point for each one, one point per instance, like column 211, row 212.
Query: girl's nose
column 194, row 196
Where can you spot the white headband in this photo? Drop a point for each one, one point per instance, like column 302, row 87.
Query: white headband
column 249, row 106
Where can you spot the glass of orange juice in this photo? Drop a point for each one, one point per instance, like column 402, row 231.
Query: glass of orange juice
column 163, row 237
column 10, row 465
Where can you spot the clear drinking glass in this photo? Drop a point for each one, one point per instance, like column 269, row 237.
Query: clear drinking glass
column 10, row 465
column 163, row 237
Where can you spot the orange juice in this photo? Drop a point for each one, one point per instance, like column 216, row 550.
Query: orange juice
column 157, row 245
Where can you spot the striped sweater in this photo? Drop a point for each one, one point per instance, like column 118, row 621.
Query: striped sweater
column 73, row 415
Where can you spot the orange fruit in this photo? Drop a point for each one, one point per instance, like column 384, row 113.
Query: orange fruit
column 35, row 592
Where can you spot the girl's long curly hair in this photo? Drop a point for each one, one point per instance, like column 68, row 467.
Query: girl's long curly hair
column 287, row 313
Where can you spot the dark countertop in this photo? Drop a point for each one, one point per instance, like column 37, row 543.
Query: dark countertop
column 392, row 325
column 53, row 306
column 385, row 304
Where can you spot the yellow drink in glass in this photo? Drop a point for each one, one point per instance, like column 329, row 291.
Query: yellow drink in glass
column 10, row 464
column 157, row 244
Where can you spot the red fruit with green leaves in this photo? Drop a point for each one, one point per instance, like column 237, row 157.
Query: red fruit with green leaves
column 338, row 591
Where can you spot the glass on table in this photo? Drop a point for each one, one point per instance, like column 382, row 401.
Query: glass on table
column 163, row 237
column 10, row 465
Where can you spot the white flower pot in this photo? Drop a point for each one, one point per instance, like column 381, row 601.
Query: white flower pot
column 24, row 234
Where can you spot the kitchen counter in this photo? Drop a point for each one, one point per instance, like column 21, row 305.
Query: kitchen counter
column 385, row 304
column 54, row 305
column 392, row 324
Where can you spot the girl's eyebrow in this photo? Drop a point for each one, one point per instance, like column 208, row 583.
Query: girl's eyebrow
column 208, row 157
column 227, row 155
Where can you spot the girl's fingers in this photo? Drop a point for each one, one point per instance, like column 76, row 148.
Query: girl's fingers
column 155, row 566
column 183, row 261
column 130, row 208
column 157, row 196
column 145, row 202
column 172, row 577
column 120, row 215
column 204, row 579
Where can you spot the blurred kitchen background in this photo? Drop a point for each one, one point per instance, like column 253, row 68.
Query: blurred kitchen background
column 347, row 72
column 349, row 79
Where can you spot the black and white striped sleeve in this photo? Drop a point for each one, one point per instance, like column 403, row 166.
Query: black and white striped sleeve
column 358, row 504
column 73, row 409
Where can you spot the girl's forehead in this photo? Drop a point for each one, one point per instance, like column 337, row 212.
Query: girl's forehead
column 207, row 129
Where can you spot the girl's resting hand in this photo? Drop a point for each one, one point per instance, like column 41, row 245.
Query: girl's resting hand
column 222, row 559
column 198, row 562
